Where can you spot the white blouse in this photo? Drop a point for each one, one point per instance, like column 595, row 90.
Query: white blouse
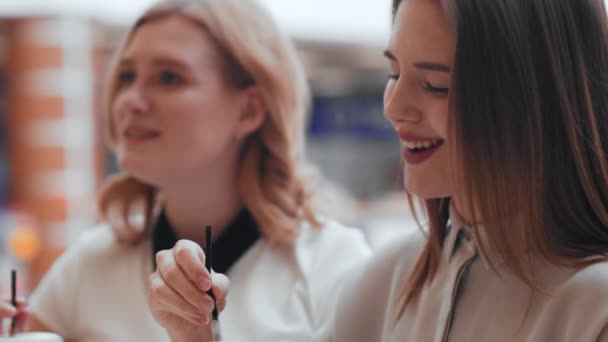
column 97, row 290
column 468, row 300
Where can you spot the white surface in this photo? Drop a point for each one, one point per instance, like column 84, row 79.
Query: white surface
column 362, row 21
column 381, row 231
column 366, row 21
column 33, row 337
column 274, row 292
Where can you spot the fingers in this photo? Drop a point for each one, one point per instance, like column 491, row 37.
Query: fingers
column 181, row 282
column 7, row 310
column 175, row 278
column 22, row 317
column 20, row 313
column 21, row 301
column 191, row 259
column 23, row 313
column 221, row 281
column 220, row 287
column 163, row 298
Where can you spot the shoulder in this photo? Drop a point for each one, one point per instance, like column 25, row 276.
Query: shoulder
column 96, row 240
column 326, row 252
column 594, row 276
column 390, row 264
column 331, row 248
column 588, row 283
column 94, row 245
column 580, row 298
column 376, row 287
column 97, row 237
column 332, row 236
column 326, row 255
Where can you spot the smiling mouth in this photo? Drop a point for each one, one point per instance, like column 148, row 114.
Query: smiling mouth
column 423, row 145
column 135, row 134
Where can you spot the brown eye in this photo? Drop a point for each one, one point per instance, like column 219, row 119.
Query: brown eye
column 170, row 78
column 126, row 77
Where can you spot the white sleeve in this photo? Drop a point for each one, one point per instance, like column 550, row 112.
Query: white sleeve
column 54, row 302
column 342, row 251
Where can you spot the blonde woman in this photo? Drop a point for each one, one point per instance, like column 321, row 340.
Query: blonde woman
column 205, row 112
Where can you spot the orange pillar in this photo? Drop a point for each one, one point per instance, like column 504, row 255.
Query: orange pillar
column 52, row 140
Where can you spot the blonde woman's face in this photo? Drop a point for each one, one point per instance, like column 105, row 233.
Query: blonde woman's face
column 420, row 55
column 174, row 113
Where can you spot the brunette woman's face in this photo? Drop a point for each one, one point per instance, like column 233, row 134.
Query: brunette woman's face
column 420, row 55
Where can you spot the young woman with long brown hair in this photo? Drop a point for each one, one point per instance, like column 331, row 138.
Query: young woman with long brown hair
column 502, row 109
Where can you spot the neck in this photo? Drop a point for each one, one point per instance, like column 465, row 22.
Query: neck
column 213, row 199
column 456, row 216
column 463, row 213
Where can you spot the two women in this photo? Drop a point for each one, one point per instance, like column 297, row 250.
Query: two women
column 502, row 110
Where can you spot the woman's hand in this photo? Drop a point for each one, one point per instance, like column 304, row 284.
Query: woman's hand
column 8, row 311
column 178, row 292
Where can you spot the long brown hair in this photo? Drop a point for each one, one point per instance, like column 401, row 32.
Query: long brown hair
column 528, row 123
column 271, row 184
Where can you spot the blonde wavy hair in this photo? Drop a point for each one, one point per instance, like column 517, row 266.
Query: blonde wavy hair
column 270, row 183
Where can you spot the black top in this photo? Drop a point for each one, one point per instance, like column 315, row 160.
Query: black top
column 228, row 248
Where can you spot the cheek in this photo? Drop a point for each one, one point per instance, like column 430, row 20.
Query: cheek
column 118, row 104
column 431, row 179
column 198, row 124
column 119, row 113
column 388, row 90
column 438, row 118
column 114, row 119
column 206, row 124
column 195, row 134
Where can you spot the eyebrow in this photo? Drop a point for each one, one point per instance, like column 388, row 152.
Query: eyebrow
column 169, row 62
column 388, row 54
column 158, row 61
column 432, row 66
column 125, row 62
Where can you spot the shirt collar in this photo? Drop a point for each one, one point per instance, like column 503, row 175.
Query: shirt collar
column 460, row 235
column 228, row 248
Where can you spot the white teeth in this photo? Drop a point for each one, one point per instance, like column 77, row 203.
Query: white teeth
column 412, row 145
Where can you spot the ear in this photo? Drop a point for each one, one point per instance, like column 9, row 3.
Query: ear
column 253, row 114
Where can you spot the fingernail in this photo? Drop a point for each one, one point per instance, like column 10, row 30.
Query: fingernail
column 204, row 283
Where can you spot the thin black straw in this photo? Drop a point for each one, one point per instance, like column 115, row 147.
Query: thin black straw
column 208, row 263
column 14, row 300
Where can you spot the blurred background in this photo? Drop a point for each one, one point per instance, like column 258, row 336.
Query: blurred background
column 53, row 55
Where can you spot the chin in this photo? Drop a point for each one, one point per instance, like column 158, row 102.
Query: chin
column 425, row 188
column 144, row 172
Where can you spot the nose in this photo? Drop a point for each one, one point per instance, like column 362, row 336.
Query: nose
column 400, row 104
column 134, row 100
